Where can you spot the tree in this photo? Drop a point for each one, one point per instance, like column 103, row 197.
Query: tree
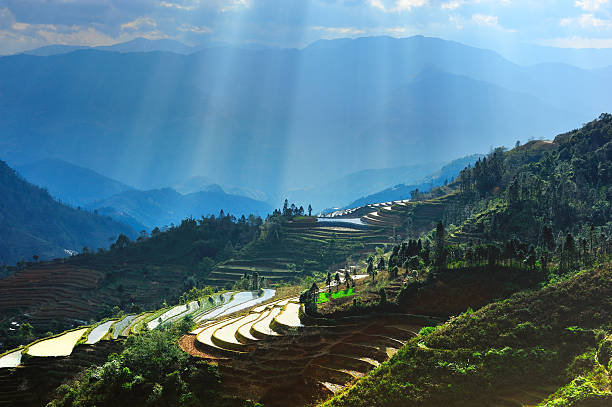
column 440, row 249
column 348, row 280
column 383, row 295
column 255, row 281
column 309, row 210
column 371, row 270
column 286, row 207
column 337, row 279
column 122, row 242
column 381, row 264
column 328, row 281
column 569, row 251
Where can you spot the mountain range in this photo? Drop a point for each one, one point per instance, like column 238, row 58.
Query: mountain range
column 274, row 120
column 33, row 223
column 141, row 210
column 403, row 191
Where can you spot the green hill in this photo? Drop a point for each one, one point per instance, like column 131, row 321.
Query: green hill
column 508, row 353
column 33, row 223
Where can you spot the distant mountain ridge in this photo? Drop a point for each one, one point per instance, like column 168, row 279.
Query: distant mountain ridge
column 33, row 223
column 275, row 120
column 341, row 191
column 402, row 191
column 162, row 207
column 69, row 183
column 135, row 45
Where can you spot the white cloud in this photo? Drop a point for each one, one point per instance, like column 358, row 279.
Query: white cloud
column 396, row 31
column 397, row 6
column 590, row 5
column 138, row 24
column 195, row 29
column 586, row 21
column 339, row 30
column 229, row 5
column 452, row 5
column 177, row 6
column 485, row 20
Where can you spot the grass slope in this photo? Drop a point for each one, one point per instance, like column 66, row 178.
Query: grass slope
column 526, row 343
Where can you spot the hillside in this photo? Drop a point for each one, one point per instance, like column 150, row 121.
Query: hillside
column 339, row 192
column 513, row 352
column 403, row 191
column 69, row 183
column 349, row 94
column 162, row 207
column 33, row 223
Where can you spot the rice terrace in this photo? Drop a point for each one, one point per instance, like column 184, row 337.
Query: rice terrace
column 271, row 203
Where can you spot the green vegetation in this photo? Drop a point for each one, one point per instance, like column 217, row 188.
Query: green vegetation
column 537, row 214
column 324, row 297
column 527, row 341
column 151, row 370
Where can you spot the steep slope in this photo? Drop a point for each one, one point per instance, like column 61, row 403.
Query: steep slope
column 32, row 223
column 161, row 207
column 513, row 352
column 69, row 183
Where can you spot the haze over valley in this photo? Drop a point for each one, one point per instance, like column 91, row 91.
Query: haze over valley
column 331, row 203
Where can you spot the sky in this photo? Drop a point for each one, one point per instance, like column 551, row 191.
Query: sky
column 27, row 24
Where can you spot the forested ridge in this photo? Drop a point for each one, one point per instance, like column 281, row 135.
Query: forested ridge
column 540, row 209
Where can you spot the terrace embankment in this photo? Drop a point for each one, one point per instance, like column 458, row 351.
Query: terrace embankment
column 33, row 383
column 286, row 362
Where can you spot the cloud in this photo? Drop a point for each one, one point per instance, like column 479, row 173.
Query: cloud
column 138, row 23
column 452, row 5
column 590, row 5
column 195, row 29
column 339, row 31
column 177, row 6
column 586, row 21
column 485, row 20
column 397, row 6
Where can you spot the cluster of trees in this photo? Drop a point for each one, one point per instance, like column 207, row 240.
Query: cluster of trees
column 251, row 282
column 563, row 185
column 565, row 250
column 292, row 210
column 190, row 243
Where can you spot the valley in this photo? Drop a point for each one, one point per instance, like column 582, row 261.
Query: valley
column 373, row 221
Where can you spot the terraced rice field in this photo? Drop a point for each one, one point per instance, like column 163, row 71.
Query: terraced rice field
column 98, row 332
column 173, row 312
column 11, row 359
column 120, row 326
column 271, row 356
column 59, row 346
column 239, row 302
column 300, row 245
column 36, row 379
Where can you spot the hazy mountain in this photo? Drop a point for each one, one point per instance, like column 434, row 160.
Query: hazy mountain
column 135, row 45
column 146, row 45
column 201, row 183
column 402, row 191
column 161, row 207
column 340, row 192
column 33, row 223
column 274, row 120
column 587, row 58
column 69, row 183
column 58, row 49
